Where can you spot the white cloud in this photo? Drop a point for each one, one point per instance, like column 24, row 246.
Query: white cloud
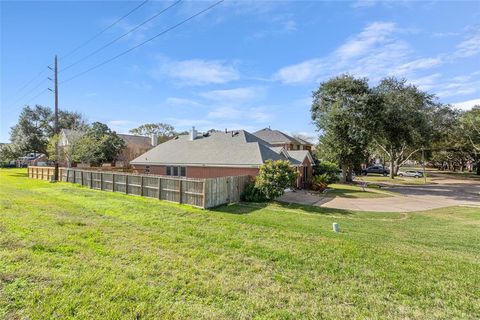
column 236, row 95
column 418, row 64
column 197, row 72
column 378, row 51
column 467, row 105
column 375, row 52
column 374, row 34
column 471, row 45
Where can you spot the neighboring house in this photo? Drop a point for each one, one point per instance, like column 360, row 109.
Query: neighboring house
column 134, row 147
column 66, row 143
column 279, row 139
column 219, row 154
column 31, row 159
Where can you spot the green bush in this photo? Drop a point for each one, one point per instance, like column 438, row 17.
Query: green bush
column 320, row 182
column 252, row 194
column 274, row 177
column 328, row 171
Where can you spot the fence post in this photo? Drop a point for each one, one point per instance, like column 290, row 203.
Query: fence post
column 141, row 186
column 113, row 182
column 180, row 191
column 101, row 180
column 203, row 193
column 91, row 185
column 159, row 188
column 81, row 177
column 74, row 176
column 126, row 184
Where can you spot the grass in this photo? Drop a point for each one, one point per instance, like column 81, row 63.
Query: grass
column 396, row 180
column 352, row 191
column 70, row 252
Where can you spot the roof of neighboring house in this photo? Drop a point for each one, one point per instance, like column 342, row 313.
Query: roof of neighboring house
column 229, row 149
column 300, row 155
column 132, row 140
column 278, row 137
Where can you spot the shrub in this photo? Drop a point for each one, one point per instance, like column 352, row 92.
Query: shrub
column 320, row 182
column 274, row 177
column 252, row 193
column 328, row 170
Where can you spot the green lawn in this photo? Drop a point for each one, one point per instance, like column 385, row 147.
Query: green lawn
column 396, row 180
column 352, row 191
column 70, row 252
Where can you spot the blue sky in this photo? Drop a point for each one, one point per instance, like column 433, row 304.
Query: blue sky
column 244, row 64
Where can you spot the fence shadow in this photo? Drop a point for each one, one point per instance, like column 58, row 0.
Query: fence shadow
column 251, row 207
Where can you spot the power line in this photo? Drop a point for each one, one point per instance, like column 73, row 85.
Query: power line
column 31, row 80
column 103, row 31
column 144, row 42
column 120, row 37
column 37, row 95
column 76, row 49
column 31, row 90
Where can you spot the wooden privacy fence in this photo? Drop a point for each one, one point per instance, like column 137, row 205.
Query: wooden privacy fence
column 203, row 193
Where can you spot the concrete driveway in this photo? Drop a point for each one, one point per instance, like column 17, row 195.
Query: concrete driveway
column 444, row 193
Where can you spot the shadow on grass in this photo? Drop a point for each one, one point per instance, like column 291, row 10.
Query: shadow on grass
column 19, row 174
column 251, row 207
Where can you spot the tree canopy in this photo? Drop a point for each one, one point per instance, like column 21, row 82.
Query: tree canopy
column 98, row 145
column 35, row 127
column 163, row 131
column 344, row 110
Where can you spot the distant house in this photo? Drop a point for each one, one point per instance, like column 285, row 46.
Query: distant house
column 66, row 144
column 134, row 146
column 279, row 139
column 219, row 154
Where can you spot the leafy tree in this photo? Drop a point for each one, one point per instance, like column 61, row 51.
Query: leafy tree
column 344, row 111
column 98, row 145
column 7, row 154
column 405, row 126
column 274, row 177
column 470, row 124
column 36, row 126
column 328, row 170
column 164, row 131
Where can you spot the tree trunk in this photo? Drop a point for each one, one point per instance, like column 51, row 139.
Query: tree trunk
column 344, row 173
column 392, row 164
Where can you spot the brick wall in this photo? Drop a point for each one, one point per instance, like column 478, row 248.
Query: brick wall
column 202, row 172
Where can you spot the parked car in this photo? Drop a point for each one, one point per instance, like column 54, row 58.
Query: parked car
column 410, row 173
column 379, row 169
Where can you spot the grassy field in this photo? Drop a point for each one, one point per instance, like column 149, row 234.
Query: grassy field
column 67, row 252
column 352, row 191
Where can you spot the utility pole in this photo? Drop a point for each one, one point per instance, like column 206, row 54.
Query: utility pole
column 56, row 118
column 56, row 128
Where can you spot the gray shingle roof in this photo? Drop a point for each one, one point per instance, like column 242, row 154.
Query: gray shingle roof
column 278, row 137
column 140, row 141
column 234, row 149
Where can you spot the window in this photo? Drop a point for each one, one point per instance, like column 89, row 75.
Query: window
column 176, row 171
column 147, row 169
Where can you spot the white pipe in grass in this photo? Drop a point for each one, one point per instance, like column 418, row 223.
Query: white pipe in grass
column 335, row 227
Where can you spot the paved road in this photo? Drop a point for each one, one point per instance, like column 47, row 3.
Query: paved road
column 444, row 193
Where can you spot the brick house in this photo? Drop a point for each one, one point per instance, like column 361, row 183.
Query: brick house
column 277, row 138
column 219, row 154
